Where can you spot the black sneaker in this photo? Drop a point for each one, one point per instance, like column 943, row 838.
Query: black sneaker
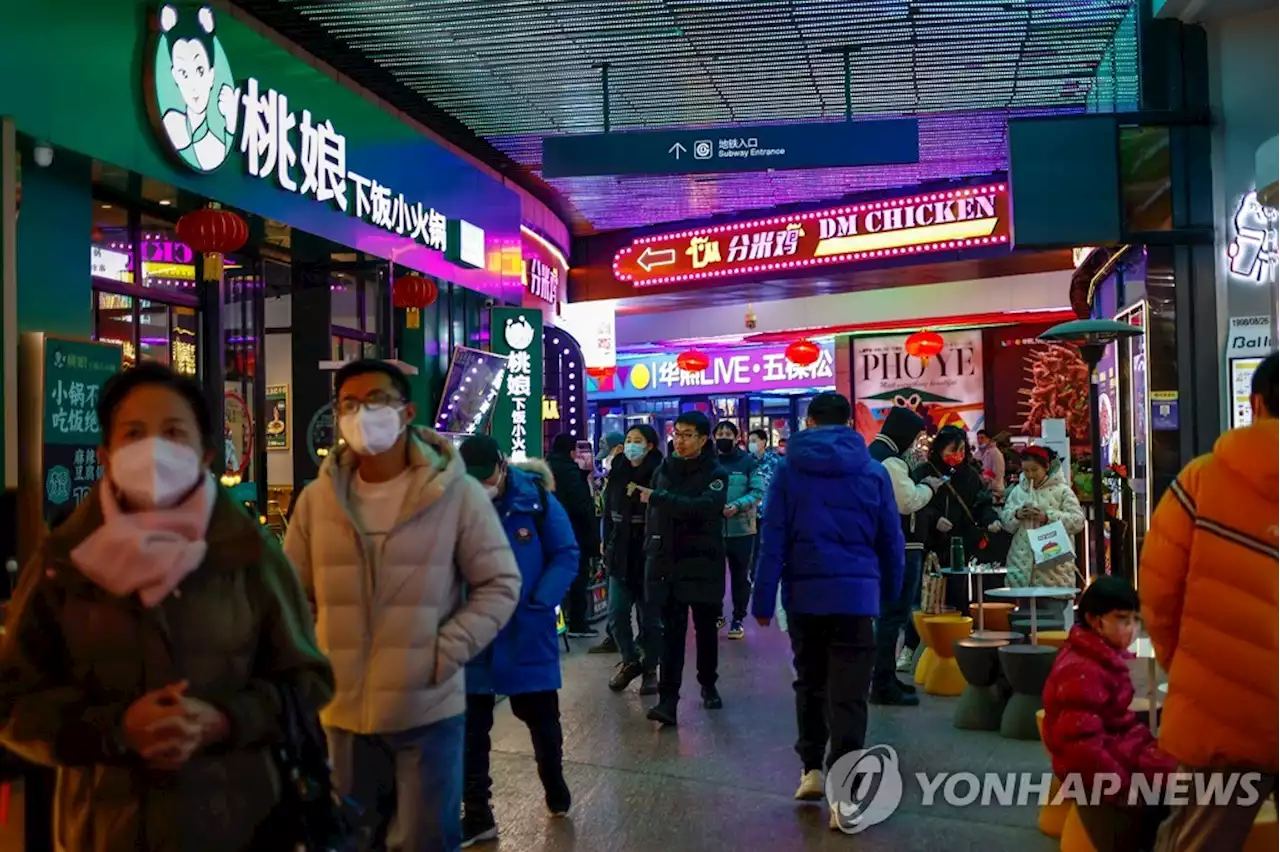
column 608, row 646
column 649, row 683
column 582, row 633
column 908, row 688
column 626, row 673
column 478, row 826
column 558, row 798
column 711, row 698
column 721, row 622
column 891, row 696
column 664, row 712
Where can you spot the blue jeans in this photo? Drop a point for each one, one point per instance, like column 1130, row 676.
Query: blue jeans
column 895, row 614
column 409, row 783
column 645, row 648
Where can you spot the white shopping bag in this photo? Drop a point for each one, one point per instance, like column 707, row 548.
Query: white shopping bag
column 1051, row 546
column 780, row 612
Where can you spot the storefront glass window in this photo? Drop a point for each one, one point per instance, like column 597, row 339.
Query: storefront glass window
column 113, row 323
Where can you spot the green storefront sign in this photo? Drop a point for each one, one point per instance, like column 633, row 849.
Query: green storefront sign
column 517, row 414
column 74, row 373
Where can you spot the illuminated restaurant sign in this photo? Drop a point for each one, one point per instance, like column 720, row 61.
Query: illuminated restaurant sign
column 951, row 220
column 750, row 368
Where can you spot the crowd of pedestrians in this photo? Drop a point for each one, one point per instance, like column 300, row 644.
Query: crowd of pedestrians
column 157, row 650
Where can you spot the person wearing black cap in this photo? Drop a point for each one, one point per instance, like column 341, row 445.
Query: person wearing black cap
column 523, row 663
column 901, row 428
column 573, row 490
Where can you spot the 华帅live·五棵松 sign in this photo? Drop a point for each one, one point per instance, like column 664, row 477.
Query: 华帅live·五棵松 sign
column 975, row 217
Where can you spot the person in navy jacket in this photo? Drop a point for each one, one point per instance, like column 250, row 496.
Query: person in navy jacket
column 833, row 538
column 523, row 663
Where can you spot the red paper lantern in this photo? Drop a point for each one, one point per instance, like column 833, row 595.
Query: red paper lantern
column 413, row 293
column 212, row 230
column 803, row 352
column 693, row 361
column 924, row 345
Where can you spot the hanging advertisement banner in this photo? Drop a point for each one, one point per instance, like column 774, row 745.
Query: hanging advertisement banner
column 516, row 334
column 754, row 368
column 975, row 217
column 594, row 326
column 945, row 391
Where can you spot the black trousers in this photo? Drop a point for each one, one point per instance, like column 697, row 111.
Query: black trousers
column 834, row 657
column 738, row 552
column 540, row 711
column 578, row 611
column 675, row 631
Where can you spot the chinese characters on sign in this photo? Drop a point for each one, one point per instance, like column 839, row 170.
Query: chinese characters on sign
column 953, row 220
column 74, row 372
column 757, row 368
column 517, row 419
column 542, row 279
column 1255, row 245
column 321, row 157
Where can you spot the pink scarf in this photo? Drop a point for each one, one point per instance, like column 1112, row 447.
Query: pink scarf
column 150, row 552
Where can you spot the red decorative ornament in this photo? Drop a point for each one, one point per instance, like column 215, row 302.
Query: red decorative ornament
column 412, row 293
column 212, row 230
column 803, row 352
column 693, row 361
column 924, row 345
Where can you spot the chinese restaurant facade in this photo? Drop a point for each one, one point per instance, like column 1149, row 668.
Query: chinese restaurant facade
column 340, row 197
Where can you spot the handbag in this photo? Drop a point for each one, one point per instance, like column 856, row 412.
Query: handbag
column 933, row 586
column 311, row 816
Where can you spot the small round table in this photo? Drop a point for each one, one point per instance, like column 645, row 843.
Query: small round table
column 978, row 571
column 1031, row 593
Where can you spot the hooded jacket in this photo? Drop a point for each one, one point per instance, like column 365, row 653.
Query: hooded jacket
column 75, row 657
column 1209, row 602
column 394, row 618
column 833, row 536
column 746, row 491
column 684, row 530
column 624, row 551
column 1088, row 726
column 1055, row 498
column 573, row 490
column 526, row 657
column 901, row 428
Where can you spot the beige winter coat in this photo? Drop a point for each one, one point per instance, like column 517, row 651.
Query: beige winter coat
column 395, row 621
column 1055, row 498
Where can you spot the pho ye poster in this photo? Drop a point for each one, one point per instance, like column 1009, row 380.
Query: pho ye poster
column 945, row 391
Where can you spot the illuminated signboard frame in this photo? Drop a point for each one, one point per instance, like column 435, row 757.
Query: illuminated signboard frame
column 816, row 239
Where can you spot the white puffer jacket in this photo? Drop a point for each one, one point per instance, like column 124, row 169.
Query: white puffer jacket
column 1055, row 498
column 395, row 620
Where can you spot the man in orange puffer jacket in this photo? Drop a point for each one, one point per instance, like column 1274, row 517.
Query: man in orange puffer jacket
column 1209, row 600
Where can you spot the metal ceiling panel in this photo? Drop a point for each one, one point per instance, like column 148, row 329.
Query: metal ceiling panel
column 513, row 71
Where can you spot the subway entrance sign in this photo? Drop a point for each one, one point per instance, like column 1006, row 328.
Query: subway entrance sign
column 877, row 142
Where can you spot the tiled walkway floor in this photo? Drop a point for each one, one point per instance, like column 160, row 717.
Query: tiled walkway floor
column 724, row 780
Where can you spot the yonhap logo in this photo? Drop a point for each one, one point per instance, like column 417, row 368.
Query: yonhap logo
column 866, row 787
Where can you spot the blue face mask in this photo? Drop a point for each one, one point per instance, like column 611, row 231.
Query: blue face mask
column 634, row 452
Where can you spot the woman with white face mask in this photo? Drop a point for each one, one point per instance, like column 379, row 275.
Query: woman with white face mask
column 150, row 643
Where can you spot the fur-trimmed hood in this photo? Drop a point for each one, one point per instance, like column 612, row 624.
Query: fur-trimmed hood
column 541, row 470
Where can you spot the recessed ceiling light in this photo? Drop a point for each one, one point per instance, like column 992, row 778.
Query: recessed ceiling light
column 106, row 207
column 164, row 202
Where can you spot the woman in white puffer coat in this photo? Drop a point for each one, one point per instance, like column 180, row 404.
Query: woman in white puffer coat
column 1041, row 497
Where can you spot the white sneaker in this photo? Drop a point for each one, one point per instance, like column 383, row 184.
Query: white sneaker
column 904, row 660
column 844, row 818
column 813, row 787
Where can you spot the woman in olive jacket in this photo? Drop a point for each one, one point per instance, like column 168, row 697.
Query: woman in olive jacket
column 149, row 641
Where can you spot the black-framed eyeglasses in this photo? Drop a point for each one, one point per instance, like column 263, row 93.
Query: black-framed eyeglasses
column 684, row 436
column 373, row 401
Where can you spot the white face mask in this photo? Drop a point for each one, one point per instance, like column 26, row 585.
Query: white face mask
column 371, row 432
column 155, row 473
column 754, row 446
column 492, row 491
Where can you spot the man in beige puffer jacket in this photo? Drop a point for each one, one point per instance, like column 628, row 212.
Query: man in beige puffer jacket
column 411, row 575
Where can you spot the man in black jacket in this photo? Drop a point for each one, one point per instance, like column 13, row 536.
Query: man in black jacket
column 684, row 571
column 573, row 490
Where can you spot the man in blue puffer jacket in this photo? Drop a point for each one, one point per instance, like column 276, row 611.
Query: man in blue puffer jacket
column 524, row 661
column 833, row 538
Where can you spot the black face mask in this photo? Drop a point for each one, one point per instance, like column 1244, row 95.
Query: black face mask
column 724, row 446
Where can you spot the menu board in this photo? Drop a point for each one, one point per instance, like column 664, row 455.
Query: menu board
column 1242, row 370
column 73, row 374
